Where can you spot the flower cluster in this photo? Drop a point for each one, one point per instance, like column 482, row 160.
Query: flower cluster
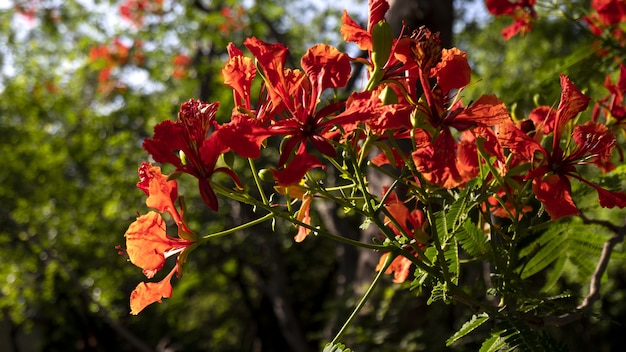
column 409, row 121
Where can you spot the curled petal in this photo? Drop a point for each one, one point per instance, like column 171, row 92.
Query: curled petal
column 573, row 101
column 208, row 194
column 608, row 199
column 304, row 216
column 377, row 11
column 352, row 32
column 611, row 199
column 238, row 73
column 161, row 192
column 147, row 293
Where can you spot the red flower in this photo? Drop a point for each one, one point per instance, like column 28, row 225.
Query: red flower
column 411, row 223
column 613, row 105
column 135, row 10
column 551, row 178
column 147, row 243
column 352, row 32
column 610, row 12
column 438, row 160
column 453, row 71
column 522, row 11
column 189, row 145
column 294, row 96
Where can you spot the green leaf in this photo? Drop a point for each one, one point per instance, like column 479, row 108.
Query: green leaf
column 549, row 252
column 473, row 239
column 513, row 335
column 493, row 344
column 338, row 347
column 568, row 242
column 476, row 321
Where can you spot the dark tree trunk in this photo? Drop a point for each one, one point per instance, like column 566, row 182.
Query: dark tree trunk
column 436, row 15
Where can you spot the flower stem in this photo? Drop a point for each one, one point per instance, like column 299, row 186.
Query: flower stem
column 365, row 297
column 268, row 216
column 257, row 181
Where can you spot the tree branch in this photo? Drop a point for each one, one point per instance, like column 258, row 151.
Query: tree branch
column 595, row 282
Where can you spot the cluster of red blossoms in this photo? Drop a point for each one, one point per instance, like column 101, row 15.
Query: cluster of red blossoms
column 412, row 97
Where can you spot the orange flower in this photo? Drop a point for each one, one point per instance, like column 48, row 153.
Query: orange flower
column 147, row 243
column 399, row 267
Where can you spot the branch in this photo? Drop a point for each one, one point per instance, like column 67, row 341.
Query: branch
column 595, row 281
column 603, row 262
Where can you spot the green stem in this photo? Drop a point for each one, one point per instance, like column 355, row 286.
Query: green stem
column 274, row 212
column 365, row 297
column 257, row 181
column 240, row 227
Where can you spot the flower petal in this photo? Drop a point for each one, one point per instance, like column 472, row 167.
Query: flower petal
column 147, row 242
column 453, row 71
column 352, row 32
column 161, row 192
column 147, row 293
column 326, row 67
column 554, row 192
column 296, row 168
column 573, row 101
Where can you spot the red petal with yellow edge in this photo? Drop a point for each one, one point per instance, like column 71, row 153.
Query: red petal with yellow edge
column 554, row 192
column 304, row 216
column 147, row 243
column 147, row 293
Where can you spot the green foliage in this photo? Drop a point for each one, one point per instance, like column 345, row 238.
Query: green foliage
column 71, row 145
column 338, row 347
column 476, row 321
column 572, row 243
column 512, row 335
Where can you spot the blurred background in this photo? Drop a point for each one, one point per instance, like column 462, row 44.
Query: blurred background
column 83, row 82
